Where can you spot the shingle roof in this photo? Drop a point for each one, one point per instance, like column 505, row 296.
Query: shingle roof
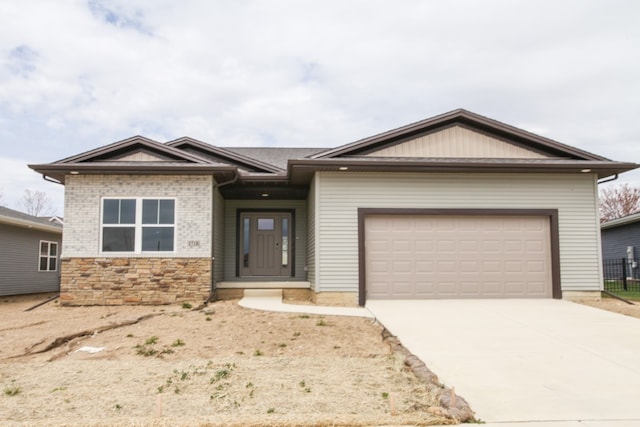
column 21, row 219
column 277, row 156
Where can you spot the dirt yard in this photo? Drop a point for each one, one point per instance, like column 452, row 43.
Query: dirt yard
column 617, row 306
column 216, row 365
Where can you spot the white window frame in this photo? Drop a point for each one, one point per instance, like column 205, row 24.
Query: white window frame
column 138, row 225
column 48, row 256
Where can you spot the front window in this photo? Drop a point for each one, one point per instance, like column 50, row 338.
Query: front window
column 48, row 257
column 138, row 225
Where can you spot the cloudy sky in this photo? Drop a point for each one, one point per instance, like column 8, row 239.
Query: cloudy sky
column 75, row 75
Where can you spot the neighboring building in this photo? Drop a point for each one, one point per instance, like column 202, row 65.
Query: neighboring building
column 455, row 206
column 29, row 253
column 621, row 245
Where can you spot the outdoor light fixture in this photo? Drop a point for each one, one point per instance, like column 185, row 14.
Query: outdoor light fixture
column 344, row 168
column 74, row 173
column 265, row 194
column 585, row 170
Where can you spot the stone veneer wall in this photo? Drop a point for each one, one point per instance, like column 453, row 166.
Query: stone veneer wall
column 118, row 281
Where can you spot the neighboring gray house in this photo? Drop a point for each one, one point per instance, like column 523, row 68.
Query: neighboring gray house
column 29, row 253
column 454, row 206
column 621, row 237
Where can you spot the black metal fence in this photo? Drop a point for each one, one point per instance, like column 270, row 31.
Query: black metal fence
column 621, row 274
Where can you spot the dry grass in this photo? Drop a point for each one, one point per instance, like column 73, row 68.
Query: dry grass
column 230, row 366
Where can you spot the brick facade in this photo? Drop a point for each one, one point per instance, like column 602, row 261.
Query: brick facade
column 129, row 281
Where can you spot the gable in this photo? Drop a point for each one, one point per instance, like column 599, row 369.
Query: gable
column 141, row 156
column 457, row 142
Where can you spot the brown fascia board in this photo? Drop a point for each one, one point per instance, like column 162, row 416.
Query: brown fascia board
column 305, row 167
column 629, row 219
column 144, row 142
column 59, row 171
column 218, row 151
column 461, row 116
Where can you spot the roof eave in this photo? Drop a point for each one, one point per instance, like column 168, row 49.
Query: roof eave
column 30, row 224
column 629, row 219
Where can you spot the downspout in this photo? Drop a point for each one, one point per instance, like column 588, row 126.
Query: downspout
column 55, row 181
column 236, row 175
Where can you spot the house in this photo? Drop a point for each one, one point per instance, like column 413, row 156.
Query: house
column 454, row 206
column 621, row 246
column 29, row 253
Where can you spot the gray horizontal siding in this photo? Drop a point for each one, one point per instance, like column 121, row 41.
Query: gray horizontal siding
column 341, row 194
column 616, row 240
column 19, row 258
column 230, row 251
column 311, row 235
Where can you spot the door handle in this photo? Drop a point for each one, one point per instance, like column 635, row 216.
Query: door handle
column 277, row 244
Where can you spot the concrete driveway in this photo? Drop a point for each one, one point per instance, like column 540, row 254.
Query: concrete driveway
column 520, row 361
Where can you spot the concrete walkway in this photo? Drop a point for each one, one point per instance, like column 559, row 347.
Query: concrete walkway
column 271, row 300
column 526, row 363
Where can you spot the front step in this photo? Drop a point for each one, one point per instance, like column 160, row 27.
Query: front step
column 263, row 293
column 264, row 285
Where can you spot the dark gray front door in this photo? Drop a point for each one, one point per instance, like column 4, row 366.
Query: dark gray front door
column 265, row 244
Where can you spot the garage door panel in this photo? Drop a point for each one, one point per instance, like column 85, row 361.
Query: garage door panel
column 457, row 256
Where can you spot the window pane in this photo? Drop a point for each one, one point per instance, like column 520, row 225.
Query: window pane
column 52, row 264
column 245, row 243
column 127, row 211
column 110, row 211
column 285, row 242
column 53, row 249
column 43, row 263
column 44, row 248
column 167, row 209
column 150, row 211
column 116, row 239
column 157, row 239
column 265, row 224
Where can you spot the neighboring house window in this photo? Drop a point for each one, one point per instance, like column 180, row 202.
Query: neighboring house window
column 138, row 225
column 48, row 256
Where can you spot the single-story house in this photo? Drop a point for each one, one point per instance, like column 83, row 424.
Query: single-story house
column 621, row 245
column 29, row 253
column 454, row 206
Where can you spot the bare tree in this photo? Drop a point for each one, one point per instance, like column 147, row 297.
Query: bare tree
column 616, row 202
column 36, row 203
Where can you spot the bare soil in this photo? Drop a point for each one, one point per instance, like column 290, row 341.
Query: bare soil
column 617, row 306
column 215, row 365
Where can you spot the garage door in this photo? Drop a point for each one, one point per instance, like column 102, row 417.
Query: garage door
column 443, row 256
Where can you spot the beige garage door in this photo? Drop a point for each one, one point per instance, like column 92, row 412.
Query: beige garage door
column 438, row 256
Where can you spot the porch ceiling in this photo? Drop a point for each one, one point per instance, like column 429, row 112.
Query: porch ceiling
column 264, row 191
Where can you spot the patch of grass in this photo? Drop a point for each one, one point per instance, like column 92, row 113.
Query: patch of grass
column 385, row 395
column 129, row 335
column 321, row 322
column 630, row 295
column 58, row 389
column 297, row 334
column 145, row 351
column 117, row 407
column 151, row 340
column 282, row 345
column 208, row 319
column 304, row 316
column 258, row 353
column 221, row 374
column 177, row 343
column 271, row 410
column 186, row 305
column 12, row 390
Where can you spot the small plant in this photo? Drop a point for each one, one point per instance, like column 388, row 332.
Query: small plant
column 282, row 345
column 186, row 305
column 117, row 407
column 129, row 335
column 385, row 395
column 321, row 322
column 222, row 374
column 208, row 319
column 304, row 316
column 12, row 390
column 177, row 343
column 296, row 334
column 249, row 385
column 145, row 351
column 258, row 353
column 271, row 411
column 151, row 340
column 58, row 389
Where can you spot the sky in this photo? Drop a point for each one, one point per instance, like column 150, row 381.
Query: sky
column 76, row 75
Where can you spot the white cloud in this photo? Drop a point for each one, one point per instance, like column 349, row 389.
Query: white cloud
column 77, row 75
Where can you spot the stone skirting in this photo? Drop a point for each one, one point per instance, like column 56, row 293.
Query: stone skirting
column 131, row 281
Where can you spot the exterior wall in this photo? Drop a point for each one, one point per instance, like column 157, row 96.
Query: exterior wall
column 218, row 236
column 615, row 241
column 90, row 276
column 340, row 194
column 459, row 142
column 19, row 260
column 230, row 242
column 83, row 195
column 311, row 234
column 118, row 281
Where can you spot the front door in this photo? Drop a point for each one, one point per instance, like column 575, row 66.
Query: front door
column 265, row 244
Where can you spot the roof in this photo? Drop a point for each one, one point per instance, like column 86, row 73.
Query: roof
column 296, row 165
column 629, row 219
column 23, row 220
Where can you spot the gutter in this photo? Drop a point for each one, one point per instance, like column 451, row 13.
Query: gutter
column 236, row 176
column 613, row 178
